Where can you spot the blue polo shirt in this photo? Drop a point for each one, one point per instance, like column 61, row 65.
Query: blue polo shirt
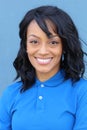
column 51, row 105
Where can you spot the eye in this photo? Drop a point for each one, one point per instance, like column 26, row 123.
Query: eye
column 34, row 41
column 54, row 42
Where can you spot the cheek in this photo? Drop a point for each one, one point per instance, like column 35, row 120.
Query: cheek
column 30, row 51
column 58, row 53
column 31, row 55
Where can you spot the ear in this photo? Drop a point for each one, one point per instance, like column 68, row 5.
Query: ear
column 62, row 57
column 64, row 52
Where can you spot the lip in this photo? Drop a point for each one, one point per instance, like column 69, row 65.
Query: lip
column 43, row 61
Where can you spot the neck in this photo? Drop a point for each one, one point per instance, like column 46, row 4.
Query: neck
column 45, row 76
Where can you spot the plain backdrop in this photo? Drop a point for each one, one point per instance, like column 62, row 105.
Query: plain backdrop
column 12, row 12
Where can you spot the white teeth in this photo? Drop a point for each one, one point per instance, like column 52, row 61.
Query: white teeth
column 43, row 61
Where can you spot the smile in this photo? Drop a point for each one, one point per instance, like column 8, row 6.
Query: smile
column 43, row 61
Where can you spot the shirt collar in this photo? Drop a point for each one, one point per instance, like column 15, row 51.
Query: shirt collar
column 54, row 81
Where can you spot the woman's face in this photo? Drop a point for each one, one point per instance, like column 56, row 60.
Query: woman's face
column 44, row 53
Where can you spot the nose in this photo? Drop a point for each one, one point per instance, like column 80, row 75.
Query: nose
column 43, row 49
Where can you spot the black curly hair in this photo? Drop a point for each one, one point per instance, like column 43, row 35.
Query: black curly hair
column 72, row 64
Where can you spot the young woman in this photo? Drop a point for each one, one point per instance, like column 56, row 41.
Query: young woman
column 51, row 95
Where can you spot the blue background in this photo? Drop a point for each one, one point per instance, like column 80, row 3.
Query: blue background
column 11, row 13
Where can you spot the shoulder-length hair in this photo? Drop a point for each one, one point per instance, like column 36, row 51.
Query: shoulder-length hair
column 72, row 64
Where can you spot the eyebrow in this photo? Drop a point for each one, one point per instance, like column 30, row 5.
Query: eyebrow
column 32, row 35
column 51, row 36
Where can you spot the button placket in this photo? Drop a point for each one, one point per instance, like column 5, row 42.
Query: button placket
column 42, row 85
column 40, row 91
column 40, row 99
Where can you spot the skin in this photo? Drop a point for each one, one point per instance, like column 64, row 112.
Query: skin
column 44, row 53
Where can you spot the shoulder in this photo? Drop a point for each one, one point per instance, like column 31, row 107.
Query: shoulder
column 9, row 96
column 11, row 91
column 13, row 88
column 82, row 83
column 78, row 88
column 81, row 88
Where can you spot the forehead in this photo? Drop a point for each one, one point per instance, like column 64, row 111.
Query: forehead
column 51, row 26
column 47, row 26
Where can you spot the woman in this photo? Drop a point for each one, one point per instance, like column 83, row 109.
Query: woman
column 51, row 95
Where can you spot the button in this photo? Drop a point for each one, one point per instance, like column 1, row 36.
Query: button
column 40, row 97
column 42, row 85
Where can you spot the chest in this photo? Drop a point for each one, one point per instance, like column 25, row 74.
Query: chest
column 44, row 110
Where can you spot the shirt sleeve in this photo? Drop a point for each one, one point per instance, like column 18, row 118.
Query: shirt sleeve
column 81, row 112
column 5, row 118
